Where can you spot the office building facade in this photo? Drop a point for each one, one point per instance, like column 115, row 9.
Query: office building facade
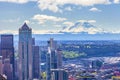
column 25, row 53
column 7, row 69
column 7, row 52
column 48, row 65
column 36, row 62
column 1, row 65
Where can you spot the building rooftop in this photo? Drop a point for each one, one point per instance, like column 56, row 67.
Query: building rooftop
column 25, row 27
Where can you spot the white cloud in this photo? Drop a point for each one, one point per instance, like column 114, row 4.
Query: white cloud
column 8, row 32
column 11, row 20
column 33, row 31
column 68, row 8
column 44, row 18
column 117, row 1
column 90, row 21
column 67, row 23
column 45, row 31
column 27, row 21
column 57, row 26
column 93, row 30
column 48, row 4
column 94, row 9
column 53, row 5
column 17, row 1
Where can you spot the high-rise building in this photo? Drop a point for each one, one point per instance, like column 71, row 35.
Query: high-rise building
column 54, row 62
column 16, row 68
column 1, row 65
column 59, row 58
column 36, row 61
column 7, row 52
column 48, row 65
column 52, row 44
column 25, row 53
column 53, row 47
column 7, row 69
column 0, row 49
column 53, row 59
column 61, row 71
column 59, row 74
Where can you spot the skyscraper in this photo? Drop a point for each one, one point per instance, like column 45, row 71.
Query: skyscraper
column 25, row 53
column 0, row 49
column 7, row 69
column 59, row 58
column 51, row 62
column 52, row 44
column 59, row 65
column 53, row 58
column 36, row 61
column 36, row 70
column 54, row 62
column 48, row 65
column 1, row 65
column 7, row 52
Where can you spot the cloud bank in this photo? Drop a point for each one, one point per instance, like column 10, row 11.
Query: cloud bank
column 44, row 18
column 55, row 5
column 94, row 9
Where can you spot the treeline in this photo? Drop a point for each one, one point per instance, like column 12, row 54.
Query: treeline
column 90, row 50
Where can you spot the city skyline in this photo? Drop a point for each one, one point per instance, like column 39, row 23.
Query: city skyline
column 46, row 16
column 67, row 60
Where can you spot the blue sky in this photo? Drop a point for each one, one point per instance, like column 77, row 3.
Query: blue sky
column 45, row 16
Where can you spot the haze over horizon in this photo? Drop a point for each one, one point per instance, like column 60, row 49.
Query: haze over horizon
column 60, row 16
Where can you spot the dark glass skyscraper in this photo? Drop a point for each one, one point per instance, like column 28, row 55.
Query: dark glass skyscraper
column 7, row 52
column 54, row 62
column 36, row 61
column 7, row 69
column 48, row 65
column 25, row 53
column 59, row 58
column 1, row 65
column 53, row 47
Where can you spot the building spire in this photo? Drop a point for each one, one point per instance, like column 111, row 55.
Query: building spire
column 25, row 26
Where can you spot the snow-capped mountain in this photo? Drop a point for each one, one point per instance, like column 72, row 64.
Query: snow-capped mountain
column 79, row 27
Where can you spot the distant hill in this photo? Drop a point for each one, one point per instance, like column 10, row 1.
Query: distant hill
column 76, row 36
